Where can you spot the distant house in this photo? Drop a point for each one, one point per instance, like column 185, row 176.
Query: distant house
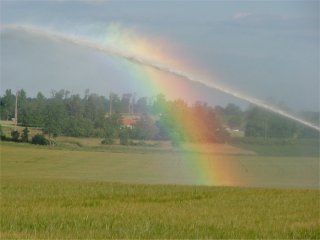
column 130, row 120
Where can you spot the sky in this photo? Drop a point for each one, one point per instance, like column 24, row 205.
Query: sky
column 265, row 49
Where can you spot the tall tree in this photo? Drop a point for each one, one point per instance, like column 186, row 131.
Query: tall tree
column 22, row 107
column 112, row 126
column 7, row 104
column 55, row 117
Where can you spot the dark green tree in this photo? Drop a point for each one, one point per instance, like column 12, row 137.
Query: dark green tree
column 55, row 117
column 74, row 106
column 25, row 135
column 7, row 105
column 95, row 109
column 22, row 107
column 36, row 111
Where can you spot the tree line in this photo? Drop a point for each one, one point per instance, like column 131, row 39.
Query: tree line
column 98, row 116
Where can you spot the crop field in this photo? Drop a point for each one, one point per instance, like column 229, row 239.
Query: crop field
column 91, row 191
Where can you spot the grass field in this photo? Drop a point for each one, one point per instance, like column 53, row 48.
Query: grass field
column 91, row 191
column 40, row 208
column 158, row 165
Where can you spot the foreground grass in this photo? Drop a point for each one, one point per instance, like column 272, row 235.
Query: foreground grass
column 38, row 208
column 69, row 192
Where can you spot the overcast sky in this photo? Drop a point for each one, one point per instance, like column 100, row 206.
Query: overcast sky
column 266, row 49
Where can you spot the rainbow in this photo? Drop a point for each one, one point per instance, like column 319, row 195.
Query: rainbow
column 202, row 168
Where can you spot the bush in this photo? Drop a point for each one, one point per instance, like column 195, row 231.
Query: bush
column 175, row 139
column 15, row 135
column 2, row 135
column 39, row 139
column 107, row 141
column 5, row 138
column 124, row 136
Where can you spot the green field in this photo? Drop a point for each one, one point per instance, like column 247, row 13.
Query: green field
column 158, row 165
column 83, row 190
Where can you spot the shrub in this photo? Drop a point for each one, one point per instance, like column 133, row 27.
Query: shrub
column 175, row 139
column 124, row 136
column 2, row 135
column 39, row 139
column 15, row 135
column 107, row 141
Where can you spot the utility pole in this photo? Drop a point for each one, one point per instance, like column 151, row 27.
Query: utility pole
column 110, row 100
column 133, row 102
column 16, row 111
column 129, row 103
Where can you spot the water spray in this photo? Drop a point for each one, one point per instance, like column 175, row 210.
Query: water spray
column 145, row 62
